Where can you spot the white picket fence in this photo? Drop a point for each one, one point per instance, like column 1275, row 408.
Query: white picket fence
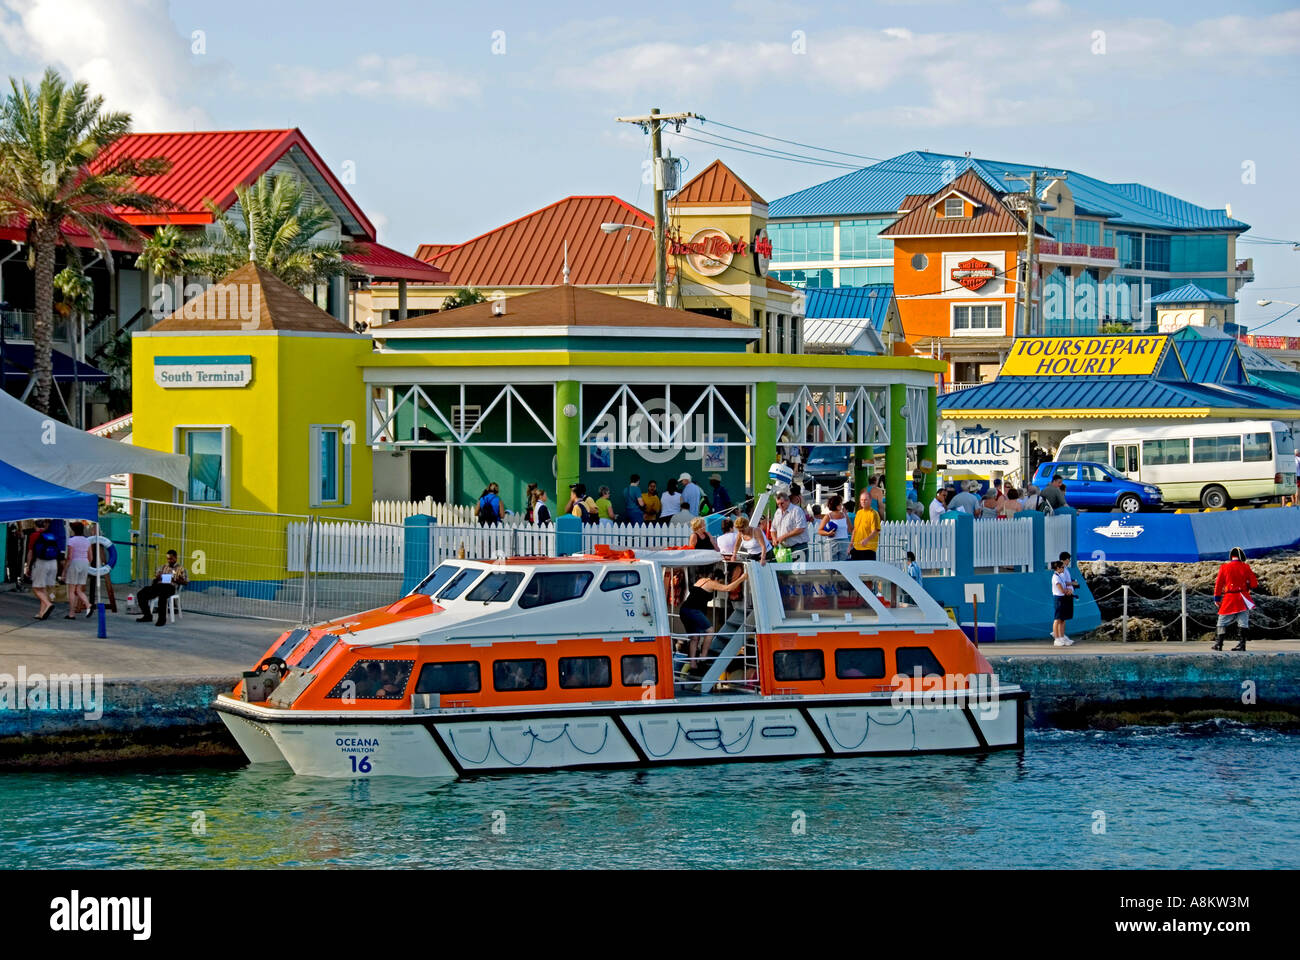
column 487, row 543
column 933, row 543
column 1003, row 545
column 1056, row 536
column 451, row 514
column 346, row 547
column 635, row 536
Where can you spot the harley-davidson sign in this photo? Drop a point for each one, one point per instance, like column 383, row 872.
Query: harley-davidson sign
column 973, row 274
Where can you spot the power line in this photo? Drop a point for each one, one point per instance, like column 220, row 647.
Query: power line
column 769, row 156
column 773, row 150
column 795, row 143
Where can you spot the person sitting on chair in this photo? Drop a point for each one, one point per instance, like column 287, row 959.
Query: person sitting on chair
column 170, row 575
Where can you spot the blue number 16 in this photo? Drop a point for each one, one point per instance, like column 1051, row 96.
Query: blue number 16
column 363, row 766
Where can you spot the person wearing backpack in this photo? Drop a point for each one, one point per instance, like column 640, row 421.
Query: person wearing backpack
column 490, row 510
column 43, row 566
column 584, row 508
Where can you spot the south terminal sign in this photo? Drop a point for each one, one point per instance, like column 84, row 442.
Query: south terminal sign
column 1126, row 355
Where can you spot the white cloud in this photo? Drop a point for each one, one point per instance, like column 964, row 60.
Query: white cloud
column 374, row 77
column 129, row 52
column 938, row 78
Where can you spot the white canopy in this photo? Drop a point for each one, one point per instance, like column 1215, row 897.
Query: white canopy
column 61, row 454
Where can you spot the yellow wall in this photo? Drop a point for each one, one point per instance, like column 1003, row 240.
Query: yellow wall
column 298, row 380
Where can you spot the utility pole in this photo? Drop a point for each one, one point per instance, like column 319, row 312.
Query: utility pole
column 653, row 124
column 1031, row 206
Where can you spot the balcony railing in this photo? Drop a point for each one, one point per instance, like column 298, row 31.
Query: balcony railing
column 18, row 325
column 1085, row 251
column 951, row 387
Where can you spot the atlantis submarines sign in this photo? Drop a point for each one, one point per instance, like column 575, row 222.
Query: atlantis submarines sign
column 978, row 448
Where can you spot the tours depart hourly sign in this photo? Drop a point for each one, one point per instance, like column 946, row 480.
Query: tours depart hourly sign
column 1117, row 356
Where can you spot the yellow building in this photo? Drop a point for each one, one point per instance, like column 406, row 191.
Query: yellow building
column 717, row 252
column 258, row 386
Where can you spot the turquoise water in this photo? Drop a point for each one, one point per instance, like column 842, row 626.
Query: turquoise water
column 1210, row 795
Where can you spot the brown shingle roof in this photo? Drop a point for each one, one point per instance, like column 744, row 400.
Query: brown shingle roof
column 716, row 183
column 529, row 252
column 993, row 216
column 251, row 298
column 562, row 306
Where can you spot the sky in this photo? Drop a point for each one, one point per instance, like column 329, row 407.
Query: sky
column 450, row 119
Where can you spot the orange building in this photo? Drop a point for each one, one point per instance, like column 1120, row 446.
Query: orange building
column 956, row 263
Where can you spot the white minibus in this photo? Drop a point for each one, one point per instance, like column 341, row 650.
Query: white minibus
column 1212, row 464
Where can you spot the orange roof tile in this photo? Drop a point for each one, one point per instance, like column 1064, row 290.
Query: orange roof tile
column 529, row 252
column 715, row 184
column 427, row 251
column 562, row 306
column 250, row 298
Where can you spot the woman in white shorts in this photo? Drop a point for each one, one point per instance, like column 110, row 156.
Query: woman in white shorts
column 77, row 570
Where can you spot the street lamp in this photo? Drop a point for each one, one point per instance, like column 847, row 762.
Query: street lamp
column 613, row 228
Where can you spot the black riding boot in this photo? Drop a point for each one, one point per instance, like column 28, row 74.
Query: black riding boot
column 1241, row 639
column 1218, row 640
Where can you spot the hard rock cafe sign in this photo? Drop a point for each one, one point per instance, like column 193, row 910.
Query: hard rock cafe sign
column 973, row 274
column 710, row 251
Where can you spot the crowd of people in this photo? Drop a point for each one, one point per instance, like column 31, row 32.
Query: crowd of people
column 680, row 501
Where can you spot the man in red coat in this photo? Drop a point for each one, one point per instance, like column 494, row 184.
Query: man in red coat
column 1232, row 593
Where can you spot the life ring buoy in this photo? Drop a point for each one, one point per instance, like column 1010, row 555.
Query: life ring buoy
column 103, row 569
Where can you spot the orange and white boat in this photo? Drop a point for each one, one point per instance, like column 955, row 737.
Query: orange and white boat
column 577, row 662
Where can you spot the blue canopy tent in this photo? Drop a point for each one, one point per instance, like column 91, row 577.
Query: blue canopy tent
column 24, row 497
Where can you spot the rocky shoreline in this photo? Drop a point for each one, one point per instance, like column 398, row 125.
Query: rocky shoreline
column 1154, row 601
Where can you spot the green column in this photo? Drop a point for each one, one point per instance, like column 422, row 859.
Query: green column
column 567, row 434
column 896, row 455
column 861, row 470
column 764, row 427
column 930, row 484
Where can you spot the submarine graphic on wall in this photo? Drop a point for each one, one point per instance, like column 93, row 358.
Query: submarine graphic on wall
column 1118, row 530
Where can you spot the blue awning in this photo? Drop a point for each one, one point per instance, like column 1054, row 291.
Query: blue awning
column 19, row 359
column 24, row 497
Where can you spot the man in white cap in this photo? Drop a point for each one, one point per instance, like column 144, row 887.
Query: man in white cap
column 691, row 493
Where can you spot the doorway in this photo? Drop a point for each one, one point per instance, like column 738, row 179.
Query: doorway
column 429, row 475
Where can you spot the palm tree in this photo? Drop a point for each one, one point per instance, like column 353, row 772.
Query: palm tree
column 167, row 254
column 49, row 137
column 284, row 227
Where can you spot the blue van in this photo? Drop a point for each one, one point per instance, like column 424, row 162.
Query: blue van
column 829, row 464
column 1091, row 485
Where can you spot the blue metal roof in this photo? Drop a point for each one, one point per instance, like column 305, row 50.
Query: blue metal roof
column 1034, row 394
column 1210, row 361
column 881, row 187
column 870, row 302
column 1191, row 293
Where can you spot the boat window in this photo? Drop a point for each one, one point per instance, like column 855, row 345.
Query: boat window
column 640, row 668
column 799, row 665
column 458, row 584
column 291, row 640
column 374, row 680
column 496, row 587
column 618, row 579
column 584, row 672
column 820, row 592
column 548, row 588
column 519, row 675
column 436, row 580
column 911, row 659
column 317, row 650
column 860, row 663
column 1258, row 447
column 460, row 677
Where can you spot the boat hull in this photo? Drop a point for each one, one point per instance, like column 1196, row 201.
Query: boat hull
column 452, row 744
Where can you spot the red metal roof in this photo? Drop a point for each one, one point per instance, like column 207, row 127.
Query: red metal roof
column 529, row 252
column 716, row 183
column 210, row 164
column 15, row 229
column 385, row 263
column 427, row 251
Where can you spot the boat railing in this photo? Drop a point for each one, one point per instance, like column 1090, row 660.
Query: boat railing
column 734, row 669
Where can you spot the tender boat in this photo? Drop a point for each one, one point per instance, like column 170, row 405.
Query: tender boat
column 578, row 662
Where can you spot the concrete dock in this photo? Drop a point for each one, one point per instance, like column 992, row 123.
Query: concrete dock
column 156, row 684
